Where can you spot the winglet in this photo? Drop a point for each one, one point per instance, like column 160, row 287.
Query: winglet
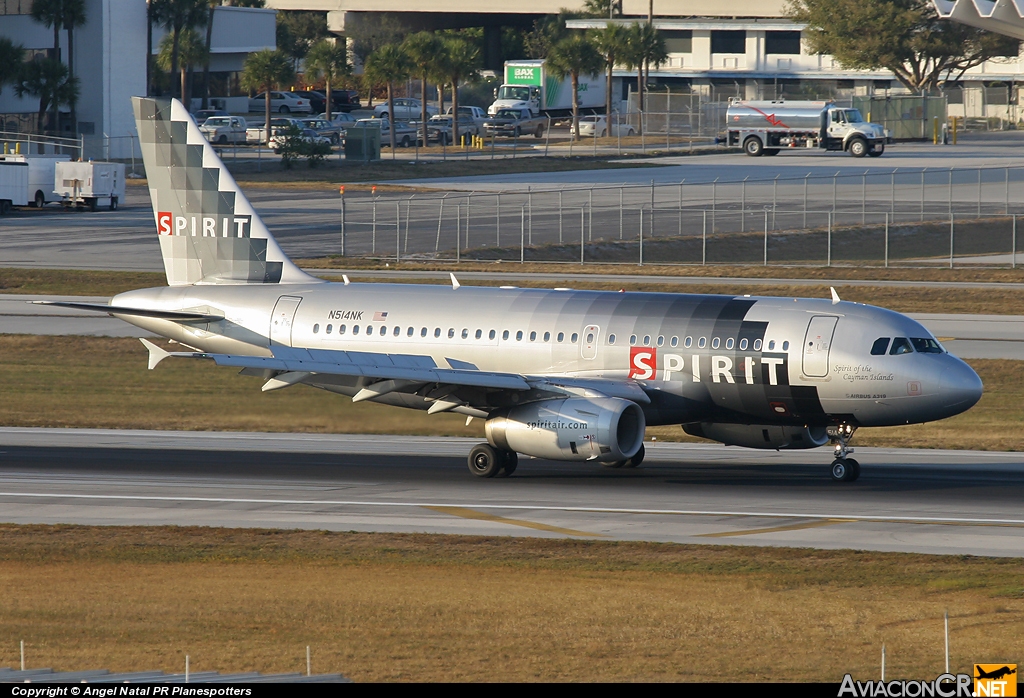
column 835, row 296
column 455, row 282
column 344, row 277
column 156, row 354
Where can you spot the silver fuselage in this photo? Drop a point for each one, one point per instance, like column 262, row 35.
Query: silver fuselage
column 536, row 332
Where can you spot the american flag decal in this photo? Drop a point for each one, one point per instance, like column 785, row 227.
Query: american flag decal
column 380, row 317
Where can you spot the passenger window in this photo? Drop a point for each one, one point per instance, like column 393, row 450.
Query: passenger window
column 547, row 336
column 632, row 340
column 901, row 345
column 437, row 332
column 465, row 333
column 785, row 346
column 384, row 330
column 533, row 336
column 329, row 328
column 743, row 344
column 316, row 329
column 771, row 345
column 611, row 339
column 408, row 332
column 341, row 329
column 661, row 340
column 647, row 340
column 729, row 343
column 561, row 336
column 675, row 341
column 702, row 342
column 688, row 342
column 519, row 336
column 757, row 345
column 491, row 334
column 479, row 334
column 880, row 346
column 355, row 329
column 423, row 332
column 451, row 332
column 398, row 330
column 590, row 338
column 575, row 337
column 715, row 342
column 504, row 335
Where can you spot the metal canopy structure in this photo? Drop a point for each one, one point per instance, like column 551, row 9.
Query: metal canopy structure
column 1000, row 16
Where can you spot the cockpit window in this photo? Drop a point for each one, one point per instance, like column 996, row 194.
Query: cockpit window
column 880, row 346
column 901, row 345
column 926, row 345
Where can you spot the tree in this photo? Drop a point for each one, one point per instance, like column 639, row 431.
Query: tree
column 371, row 31
column 11, row 57
column 462, row 64
column 905, row 36
column 575, row 56
column 603, row 8
column 548, row 31
column 176, row 16
column 50, row 13
column 213, row 5
column 645, row 47
column 612, row 42
column 389, row 64
column 297, row 31
column 191, row 52
column 51, row 81
column 328, row 60
column 423, row 49
column 264, row 70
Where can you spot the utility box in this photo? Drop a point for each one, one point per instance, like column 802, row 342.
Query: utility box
column 89, row 184
column 13, row 185
column 362, row 143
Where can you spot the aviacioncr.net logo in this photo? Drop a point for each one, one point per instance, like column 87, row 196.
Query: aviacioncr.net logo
column 944, row 686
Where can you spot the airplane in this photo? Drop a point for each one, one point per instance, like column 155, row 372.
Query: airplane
column 995, row 674
column 560, row 374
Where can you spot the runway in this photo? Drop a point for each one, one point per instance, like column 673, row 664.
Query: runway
column 949, row 502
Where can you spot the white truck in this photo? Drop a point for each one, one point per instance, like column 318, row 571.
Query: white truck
column 222, row 130
column 763, row 128
column 40, row 176
column 13, row 185
column 89, row 184
column 528, row 85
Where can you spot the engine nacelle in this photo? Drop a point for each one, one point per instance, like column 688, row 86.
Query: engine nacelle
column 759, row 435
column 606, row 429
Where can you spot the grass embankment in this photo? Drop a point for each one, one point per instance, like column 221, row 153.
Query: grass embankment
column 104, row 383
column 441, row 608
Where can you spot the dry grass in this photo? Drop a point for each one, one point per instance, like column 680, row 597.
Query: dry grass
column 445, row 608
column 104, row 383
column 73, row 282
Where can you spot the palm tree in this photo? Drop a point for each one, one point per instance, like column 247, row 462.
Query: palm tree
column 191, row 52
column 646, row 48
column 390, row 64
column 612, row 41
column 50, row 13
column 574, row 56
column 264, row 70
column 328, row 60
column 73, row 17
column 213, row 5
column 462, row 63
column 423, row 50
column 176, row 16
column 51, row 81
column 11, row 57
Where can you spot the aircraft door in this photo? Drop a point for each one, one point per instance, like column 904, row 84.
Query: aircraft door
column 588, row 341
column 281, row 320
column 816, row 345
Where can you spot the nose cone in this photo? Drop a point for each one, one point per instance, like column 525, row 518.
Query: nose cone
column 960, row 386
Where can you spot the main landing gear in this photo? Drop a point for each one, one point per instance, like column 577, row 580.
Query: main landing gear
column 844, row 469
column 487, row 461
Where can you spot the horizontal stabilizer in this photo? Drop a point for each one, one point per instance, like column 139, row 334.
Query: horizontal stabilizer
column 175, row 315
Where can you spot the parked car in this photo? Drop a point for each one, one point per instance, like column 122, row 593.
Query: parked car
column 339, row 122
column 478, row 114
column 258, row 134
column 439, row 128
column 597, row 126
column 307, row 134
column 280, row 102
column 323, row 127
column 405, row 133
column 317, row 100
column 345, row 100
column 514, row 123
column 203, row 114
column 404, row 109
column 224, row 129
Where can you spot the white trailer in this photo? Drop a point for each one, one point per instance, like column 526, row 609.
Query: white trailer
column 41, row 170
column 529, row 85
column 90, row 184
column 13, row 185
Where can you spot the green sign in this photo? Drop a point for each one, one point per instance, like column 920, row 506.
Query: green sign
column 522, row 75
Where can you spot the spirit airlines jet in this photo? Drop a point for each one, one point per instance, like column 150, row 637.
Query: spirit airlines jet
column 557, row 374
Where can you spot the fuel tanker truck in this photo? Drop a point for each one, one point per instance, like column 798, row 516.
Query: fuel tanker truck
column 763, row 128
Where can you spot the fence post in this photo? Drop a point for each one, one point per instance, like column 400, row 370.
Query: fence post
column 590, row 217
column 440, row 217
column 714, row 200
column 864, row 198
column 1006, row 199
column 951, row 192
column 1013, row 253
column 529, row 203
column 835, row 178
column 398, row 234
column 373, row 242
column 621, row 232
column 680, row 233
column 497, row 220
column 806, row 177
column 522, row 235
column 766, row 237
column 951, row 241
column 641, row 236
column 582, row 245
column 892, row 193
column 547, row 137
column 979, row 193
column 829, row 262
column 775, row 198
column 704, row 240
column 651, row 227
column 922, row 192
column 560, row 215
column 887, row 241
column 342, row 192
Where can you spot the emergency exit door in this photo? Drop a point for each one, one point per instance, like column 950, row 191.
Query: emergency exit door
column 817, row 344
column 282, row 319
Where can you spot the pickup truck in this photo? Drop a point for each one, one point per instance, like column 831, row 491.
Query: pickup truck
column 405, row 134
column 224, row 129
column 514, row 123
column 477, row 114
column 258, row 134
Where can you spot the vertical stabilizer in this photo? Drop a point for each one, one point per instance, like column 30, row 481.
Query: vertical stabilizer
column 209, row 233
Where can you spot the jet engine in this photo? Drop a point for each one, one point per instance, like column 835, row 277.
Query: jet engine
column 759, row 435
column 605, row 429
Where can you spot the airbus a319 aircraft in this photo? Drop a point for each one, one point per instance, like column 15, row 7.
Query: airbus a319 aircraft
column 557, row 374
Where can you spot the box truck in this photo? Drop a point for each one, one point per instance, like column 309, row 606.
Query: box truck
column 41, row 169
column 90, row 184
column 13, row 185
column 763, row 128
column 528, row 85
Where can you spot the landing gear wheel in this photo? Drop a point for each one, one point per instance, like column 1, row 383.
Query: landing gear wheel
column 845, row 470
column 509, row 463
column 485, row 461
column 637, row 458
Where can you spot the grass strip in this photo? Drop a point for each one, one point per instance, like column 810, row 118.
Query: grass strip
column 394, row 607
column 104, row 383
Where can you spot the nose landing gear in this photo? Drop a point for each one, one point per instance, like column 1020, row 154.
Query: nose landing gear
column 844, row 468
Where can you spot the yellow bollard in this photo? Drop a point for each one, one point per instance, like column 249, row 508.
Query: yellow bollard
column 935, row 130
column 17, row 148
column 955, row 120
